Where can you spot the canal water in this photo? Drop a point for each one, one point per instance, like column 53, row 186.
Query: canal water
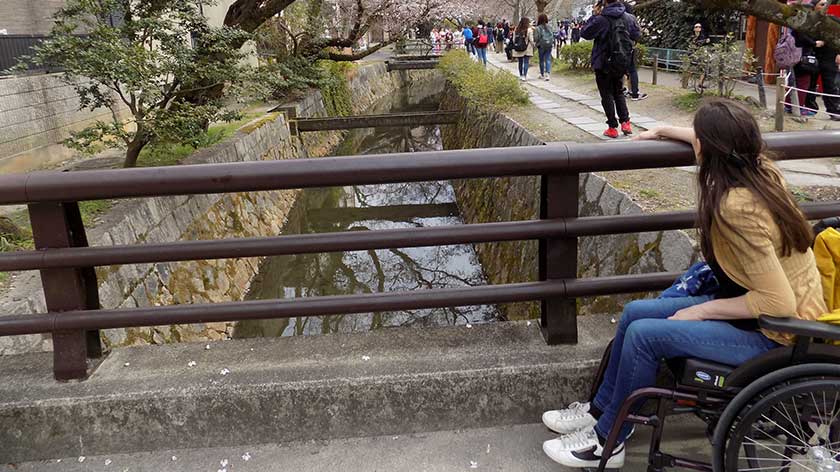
column 366, row 208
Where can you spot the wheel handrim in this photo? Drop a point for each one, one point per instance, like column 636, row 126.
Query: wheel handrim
column 794, row 428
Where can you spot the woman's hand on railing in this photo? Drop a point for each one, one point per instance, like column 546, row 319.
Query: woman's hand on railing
column 676, row 133
column 651, row 134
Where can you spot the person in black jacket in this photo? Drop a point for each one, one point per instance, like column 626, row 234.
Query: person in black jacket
column 807, row 70
column 575, row 33
column 599, row 28
column 828, row 59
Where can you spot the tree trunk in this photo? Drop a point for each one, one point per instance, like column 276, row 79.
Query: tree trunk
column 517, row 12
column 541, row 4
column 134, row 147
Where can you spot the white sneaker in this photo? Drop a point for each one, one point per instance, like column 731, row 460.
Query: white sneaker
column 542, row 76
column 574, row 418
column 582, row 449
column 547, row 78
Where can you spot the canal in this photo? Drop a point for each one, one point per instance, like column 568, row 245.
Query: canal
column 366, row 208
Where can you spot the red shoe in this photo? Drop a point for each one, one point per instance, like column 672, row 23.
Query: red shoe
column 611, row 133
column 625, row 128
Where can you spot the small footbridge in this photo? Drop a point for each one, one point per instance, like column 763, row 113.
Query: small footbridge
column 383, row 383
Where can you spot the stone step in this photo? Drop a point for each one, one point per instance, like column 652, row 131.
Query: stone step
column 277, row 390
column 516, row 448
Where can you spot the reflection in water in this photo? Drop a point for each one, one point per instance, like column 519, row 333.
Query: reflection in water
column 364, row 208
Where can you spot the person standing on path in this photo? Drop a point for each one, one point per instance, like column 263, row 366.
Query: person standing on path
column 633, row 73
column 614, row 32
column 575, row 32
column 468, row 38
column 480, row 42
column 523, row 46
column 499, row 38
column 828, row 59
column 544, row 40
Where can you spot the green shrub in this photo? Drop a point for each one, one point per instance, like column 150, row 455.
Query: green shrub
column 577, row 55
column 494, row 89
column 641, row 54
column 716, row 67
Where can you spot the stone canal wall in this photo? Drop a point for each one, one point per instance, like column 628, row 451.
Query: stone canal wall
column 155, row 220
column 517, row 198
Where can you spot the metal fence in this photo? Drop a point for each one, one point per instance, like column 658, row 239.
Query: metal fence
column 69, row 281
column 670, row 59
column 13, row 48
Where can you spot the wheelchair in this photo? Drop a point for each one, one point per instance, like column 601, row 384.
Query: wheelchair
column 777, row 412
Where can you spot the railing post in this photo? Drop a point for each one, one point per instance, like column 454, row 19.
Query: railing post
column 58, row 225
column 759, row 80
column 558, row 258
column 655, row 68
column 780, row 100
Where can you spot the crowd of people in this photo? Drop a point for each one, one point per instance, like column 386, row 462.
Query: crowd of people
column 811, row 60
column 525, row 39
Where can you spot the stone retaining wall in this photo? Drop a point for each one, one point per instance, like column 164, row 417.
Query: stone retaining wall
column 154, row 220
column 37, row 112
column 517, row 198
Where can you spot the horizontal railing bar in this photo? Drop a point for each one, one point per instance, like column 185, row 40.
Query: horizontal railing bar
column 361, row 240
column 618, row 224
column 377, row 169
column 329, row 305
column 279, row 245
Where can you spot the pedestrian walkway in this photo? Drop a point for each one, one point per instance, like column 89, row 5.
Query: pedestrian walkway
column 567, row 104
column 586, row 113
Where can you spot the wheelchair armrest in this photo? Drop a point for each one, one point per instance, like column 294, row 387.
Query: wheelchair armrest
column 814, row 329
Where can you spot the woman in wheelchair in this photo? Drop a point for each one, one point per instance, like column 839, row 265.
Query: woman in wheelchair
column 757, row 243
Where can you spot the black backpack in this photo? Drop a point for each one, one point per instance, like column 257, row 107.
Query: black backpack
column 620, row 52
column 520, row 41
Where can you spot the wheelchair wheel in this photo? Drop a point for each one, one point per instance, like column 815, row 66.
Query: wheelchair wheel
column 793, row 427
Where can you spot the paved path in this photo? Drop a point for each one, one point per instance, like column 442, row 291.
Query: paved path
column 586, row 113
column 582, row 111
column 505, row 448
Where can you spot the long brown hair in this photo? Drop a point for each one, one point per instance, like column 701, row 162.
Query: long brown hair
column 542, row 19
column 523, row 25
column 733, row 154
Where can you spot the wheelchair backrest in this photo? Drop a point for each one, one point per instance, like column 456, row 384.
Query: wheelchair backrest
column 822, row 225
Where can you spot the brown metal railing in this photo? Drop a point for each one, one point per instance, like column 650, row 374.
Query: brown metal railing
column 66, row 262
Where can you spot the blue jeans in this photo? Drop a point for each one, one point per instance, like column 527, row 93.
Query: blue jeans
column 645, row 336
column 469, row 44
column 482, row 54
column 524, row 62
column 634, row 78
column 545, row 61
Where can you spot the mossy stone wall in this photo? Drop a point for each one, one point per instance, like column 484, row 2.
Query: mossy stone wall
column 517, row 198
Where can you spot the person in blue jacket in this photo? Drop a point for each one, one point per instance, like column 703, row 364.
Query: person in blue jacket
column 610, row 85
column 468, row 39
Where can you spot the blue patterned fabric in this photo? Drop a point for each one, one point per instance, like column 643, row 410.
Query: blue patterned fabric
column 698, row 280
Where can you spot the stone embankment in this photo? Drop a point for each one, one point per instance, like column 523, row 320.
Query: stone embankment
column 165, row 219
column 517, row 198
